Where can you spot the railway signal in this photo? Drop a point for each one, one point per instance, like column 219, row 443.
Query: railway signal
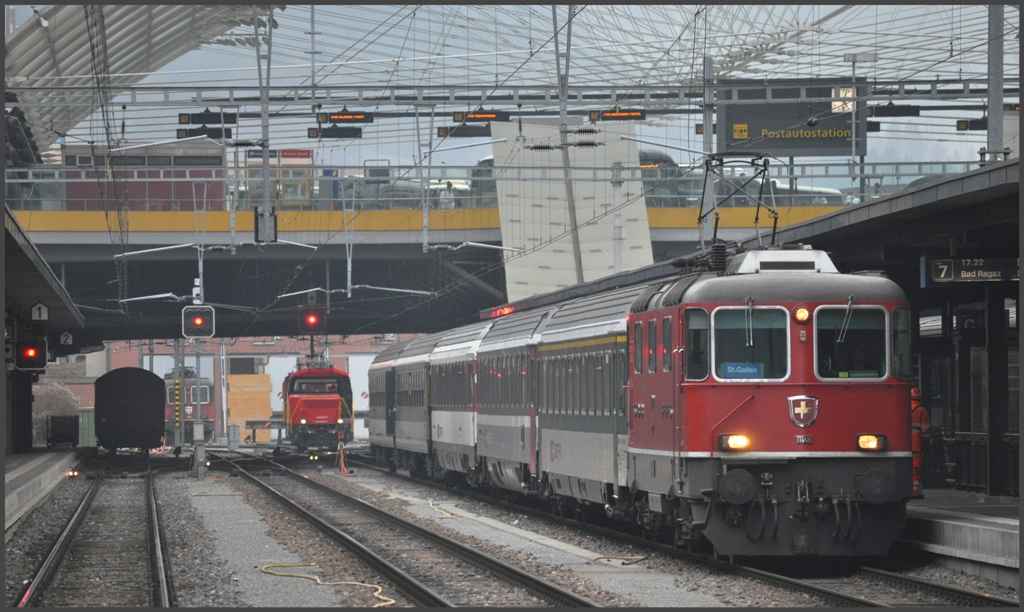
column 312, row 321
column 30, row 355
column 197, row 321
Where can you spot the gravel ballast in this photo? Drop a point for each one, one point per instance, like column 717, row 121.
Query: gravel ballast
column 221, row 530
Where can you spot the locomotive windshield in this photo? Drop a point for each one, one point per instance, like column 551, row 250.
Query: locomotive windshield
column 850, row 347
column 319, row 386
column 751, row 343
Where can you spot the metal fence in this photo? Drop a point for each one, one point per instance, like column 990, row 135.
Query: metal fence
column 1011, row 459
column 314, row 187
column 972, row 461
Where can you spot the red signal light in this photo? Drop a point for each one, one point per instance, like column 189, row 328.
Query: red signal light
column 30, row 355
column 198, row 321
column 312, row 322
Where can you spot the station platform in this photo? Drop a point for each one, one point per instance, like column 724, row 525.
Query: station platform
column 29, row 477
column 969, row 532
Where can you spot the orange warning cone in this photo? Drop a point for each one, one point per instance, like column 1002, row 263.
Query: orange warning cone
column 341, row 462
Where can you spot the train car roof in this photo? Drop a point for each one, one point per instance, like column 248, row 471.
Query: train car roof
column 317, row 372
column 651, row 156
column 387, row 357
column 515, row 330
column 793, row 287
column 595, row 315
column 460, row 342
column 418, row 350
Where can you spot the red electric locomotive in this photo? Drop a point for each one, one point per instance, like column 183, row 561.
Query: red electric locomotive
column 318, row 410
column 768, row 407
column 184, row 403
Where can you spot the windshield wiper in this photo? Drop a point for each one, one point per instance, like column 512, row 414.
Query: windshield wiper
column 846, row 320
column 748, row 321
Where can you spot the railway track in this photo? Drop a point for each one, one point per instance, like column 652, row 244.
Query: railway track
column 110, row 554
column 428, row 568
column 861, row 587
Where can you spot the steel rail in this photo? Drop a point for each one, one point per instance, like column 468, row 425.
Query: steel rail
column 41, row 581
column 960, row 596
column 832, row 597
column 160, row 568
column 409, row 586
column 533, row 584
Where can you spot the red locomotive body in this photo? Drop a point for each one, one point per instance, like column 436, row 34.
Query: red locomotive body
column 789, row 391
column 318, row 408
column 184, row 402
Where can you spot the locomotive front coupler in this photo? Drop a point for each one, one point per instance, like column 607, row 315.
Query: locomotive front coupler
column 613, row 512
column 803, row 498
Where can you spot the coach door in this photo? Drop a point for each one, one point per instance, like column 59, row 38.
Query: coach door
column 653, row 398
column 389, row 402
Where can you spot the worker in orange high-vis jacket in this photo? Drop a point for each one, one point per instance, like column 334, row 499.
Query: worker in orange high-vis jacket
column 920, row 431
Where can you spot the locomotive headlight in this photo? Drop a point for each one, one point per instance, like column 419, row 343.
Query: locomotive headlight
column 733, row 442
column 72, row 474
column 872, row 442
column 341, row 420
column 303, row 421
column 801, row 314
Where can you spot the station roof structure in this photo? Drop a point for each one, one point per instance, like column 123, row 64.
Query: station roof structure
column 484, row 47
column 110, row 50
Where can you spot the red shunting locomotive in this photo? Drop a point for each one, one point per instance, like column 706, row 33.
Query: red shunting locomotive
column 318, row 409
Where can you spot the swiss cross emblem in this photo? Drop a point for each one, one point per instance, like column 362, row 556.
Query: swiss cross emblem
column 803, row 409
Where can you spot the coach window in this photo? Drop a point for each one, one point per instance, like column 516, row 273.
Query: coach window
column 751, row 343
column 577, row 386
column 666, row 344
column 574, row 385
column 544, row 385
column 696, row 344
column 589, row 376
column 850, row 342
column 570, row 386
column 638, row 347
column 652, row 345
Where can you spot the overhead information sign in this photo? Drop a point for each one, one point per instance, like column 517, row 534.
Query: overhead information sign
column 972, row 124
column 208, row 117
column 464, row 131
column 345, row 117
column 894, row 110
column 460, row 116
column 974, row 269
column 801, row 118
column 285, row 153
column 209, row 132
column 622, row 114
column 335, row 132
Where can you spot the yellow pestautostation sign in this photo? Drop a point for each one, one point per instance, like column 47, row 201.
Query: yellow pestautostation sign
column 739, row 131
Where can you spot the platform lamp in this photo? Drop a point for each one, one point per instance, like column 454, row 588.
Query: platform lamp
column 853, row 58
